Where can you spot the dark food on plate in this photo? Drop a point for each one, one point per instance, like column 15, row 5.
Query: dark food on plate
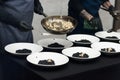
column 23, row 51
column 111, row 37
column 80, row 55
column 47, row 62
column 108, row 50
column 83, row 41
column 55, row 45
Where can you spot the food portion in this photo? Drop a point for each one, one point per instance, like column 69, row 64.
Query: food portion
column 108, row 50
column 55, row 45
column 47, row 62
column 59, row 25
column 83, row 41
column 80, row 55
column 23, row 51
column 111, row 37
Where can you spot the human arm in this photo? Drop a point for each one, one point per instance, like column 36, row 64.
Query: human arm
column 111, row 9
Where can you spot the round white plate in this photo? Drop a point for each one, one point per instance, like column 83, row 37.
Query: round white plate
column 48, row 41
column 78, row 37
column 58, row 58
column 100, row 45
column 104, row 34
column 11, row 48
column 91, row 52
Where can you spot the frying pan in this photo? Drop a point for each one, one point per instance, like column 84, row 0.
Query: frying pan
column 58, row 24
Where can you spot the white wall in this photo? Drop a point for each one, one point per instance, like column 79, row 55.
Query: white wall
column 59, row 7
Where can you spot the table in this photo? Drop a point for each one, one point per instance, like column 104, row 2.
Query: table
column 103, row 68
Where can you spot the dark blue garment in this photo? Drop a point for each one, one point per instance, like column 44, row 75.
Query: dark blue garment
column 23, row 10
column 91, row 6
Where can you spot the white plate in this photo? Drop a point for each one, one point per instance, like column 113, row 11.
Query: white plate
column 48, row 41
column 58, row 58
column 11, row 48
column 91, row 52
column 104, row 34
column 77, row 37
column 100, row 45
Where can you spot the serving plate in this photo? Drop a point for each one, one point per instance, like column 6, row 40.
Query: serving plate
column 89, row 51
column 48, row 41
column 104, row 34
column 102, row 45
column 58, row 59
column 75, row 38
column 12, row 48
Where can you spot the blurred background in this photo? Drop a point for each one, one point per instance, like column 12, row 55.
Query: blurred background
column 60, row 7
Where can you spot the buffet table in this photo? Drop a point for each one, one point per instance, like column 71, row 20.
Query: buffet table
column 103, row 68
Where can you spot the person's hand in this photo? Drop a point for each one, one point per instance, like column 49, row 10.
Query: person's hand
column 23, row 26
column 115, row 13
column 95, row 22
column 38, row 7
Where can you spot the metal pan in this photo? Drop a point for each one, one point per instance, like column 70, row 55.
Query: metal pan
column 58, row 24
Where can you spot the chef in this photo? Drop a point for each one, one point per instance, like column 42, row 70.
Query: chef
column 15, row 26
column 16, row 21
column 87, row 15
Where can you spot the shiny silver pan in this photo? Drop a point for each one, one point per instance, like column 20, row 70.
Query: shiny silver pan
column 58, row 24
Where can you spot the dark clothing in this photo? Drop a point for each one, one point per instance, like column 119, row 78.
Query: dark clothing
column 11, row 12
column 91, row 6
column 22, row 9
column 78, row 4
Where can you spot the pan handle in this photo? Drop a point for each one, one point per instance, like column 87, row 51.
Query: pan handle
column 44, row 14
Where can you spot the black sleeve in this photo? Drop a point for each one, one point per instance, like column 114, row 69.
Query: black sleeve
column 38, row 7
column 76, row 5
column 36, row 2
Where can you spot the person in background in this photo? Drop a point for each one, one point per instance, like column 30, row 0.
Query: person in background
column 16, row 21
column 86, row 12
